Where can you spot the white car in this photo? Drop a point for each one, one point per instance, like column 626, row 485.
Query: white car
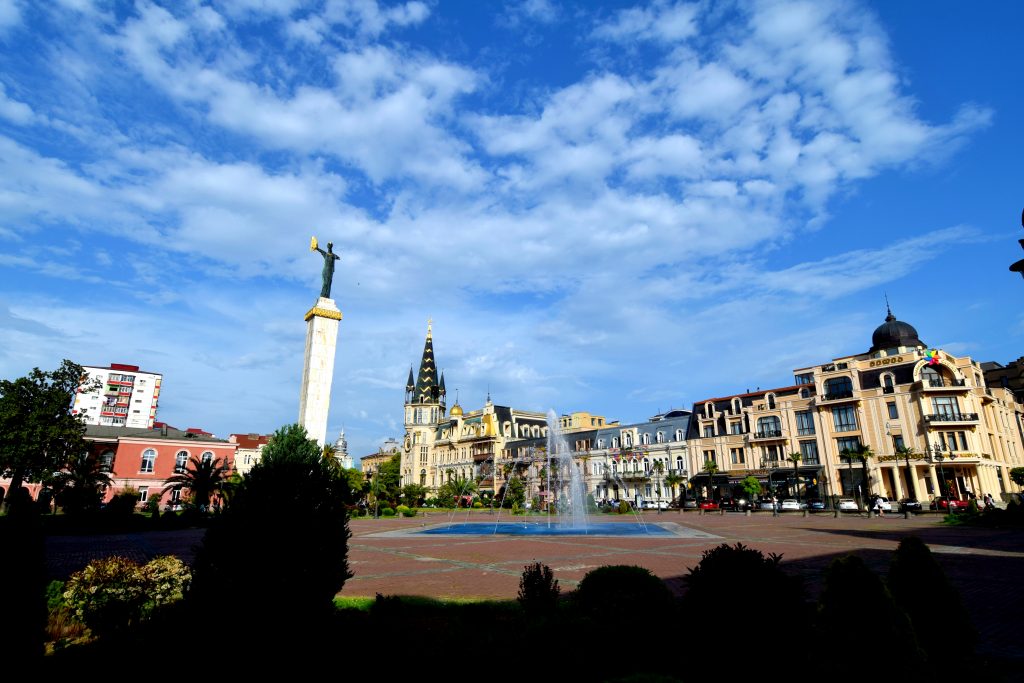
column 790, row 504
column 848, row 505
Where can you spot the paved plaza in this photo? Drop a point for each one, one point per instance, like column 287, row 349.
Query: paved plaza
column 388, row 557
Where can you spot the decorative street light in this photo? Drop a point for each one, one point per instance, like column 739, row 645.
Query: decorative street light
column 943, row 484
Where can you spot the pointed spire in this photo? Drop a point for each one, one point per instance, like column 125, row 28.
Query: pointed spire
column 426, row 383
column 441, row 386
column 889, row 318
column 411, row 383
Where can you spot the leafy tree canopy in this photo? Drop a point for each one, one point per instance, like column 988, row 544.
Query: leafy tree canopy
column 38, row 432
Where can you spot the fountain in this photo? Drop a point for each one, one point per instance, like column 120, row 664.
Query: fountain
column 568, row 493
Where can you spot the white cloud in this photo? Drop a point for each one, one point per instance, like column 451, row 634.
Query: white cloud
column 661, row 22
column 10, row 14
column 16, row 112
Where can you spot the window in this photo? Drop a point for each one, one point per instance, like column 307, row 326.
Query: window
column 804, row 423
column 647, row 466
column 423, row 477
column 963, row 440
column 887, row 386
column 143, row 494
column 107, row 461
column 848, row 444
column 737, row 456
column 661, row 437
column 931, row 377
column 679, row 463
column 207, row 456
column 897, row 442
column 679, row 435
column 845, row 419
column 893, row 413
column 838, row 387
column 180, row 461
column 946, row 406
column 148, row 460
column 645, row 439
column 423, row 455
column 805, row 378
column 627, row 439
column 771, row 401
column 615, row 442
column 769, row 427
column 709, row 455
column 809, row 452
column 709, row 410
column 175, row 496
column 600, row 443
column 737, row 406
column 736, row 427
column 709, row 431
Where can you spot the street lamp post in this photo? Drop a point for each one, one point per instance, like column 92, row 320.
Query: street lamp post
column 943, row 484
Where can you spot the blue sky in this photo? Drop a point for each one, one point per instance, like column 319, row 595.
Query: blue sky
column 610, row 207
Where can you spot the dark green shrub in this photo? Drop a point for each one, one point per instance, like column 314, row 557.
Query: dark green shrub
column 855, row 601
column 281, row 547
column 387, row 512
column 623, row 507
column 921, row 589
column 477, row 504
column 123, row 503
column 616, row 592
column 409, row 512
column 538, row 589
column 972, row 507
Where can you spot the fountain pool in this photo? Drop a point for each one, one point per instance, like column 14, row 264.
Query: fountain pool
column 544, row 529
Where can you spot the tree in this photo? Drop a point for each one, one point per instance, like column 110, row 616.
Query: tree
column 751, row 486
column 413, row 494
column 864, row 453
column 673, row 480
column 203, row 477
column 281, row 546
column 711, row 469
column 450, row 493
column 515, row 493
column 1017, row 476
column 38, row 432
column 79, row 487
column 795, row 458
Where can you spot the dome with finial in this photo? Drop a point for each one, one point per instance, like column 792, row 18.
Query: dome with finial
column 456, row 411
column 894, row 333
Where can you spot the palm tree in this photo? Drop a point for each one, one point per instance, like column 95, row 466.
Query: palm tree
column 711, row 469
column 795, row 458
column 80, row 486
column 203, row 478
column 863, row 454
column 906, row 453
column 658, row 468
column 675, row 480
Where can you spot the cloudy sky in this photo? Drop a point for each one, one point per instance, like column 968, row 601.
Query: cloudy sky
column 611, row 207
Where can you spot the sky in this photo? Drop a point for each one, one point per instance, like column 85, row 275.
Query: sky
column 612, row 207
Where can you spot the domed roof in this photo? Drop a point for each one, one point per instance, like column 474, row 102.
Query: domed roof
column 893, row 333
column 456, row 410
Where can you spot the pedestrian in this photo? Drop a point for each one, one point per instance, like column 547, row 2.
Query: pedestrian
column 775, row 506
column 878, row 507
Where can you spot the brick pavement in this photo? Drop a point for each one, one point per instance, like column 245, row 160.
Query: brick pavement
column 386, row 558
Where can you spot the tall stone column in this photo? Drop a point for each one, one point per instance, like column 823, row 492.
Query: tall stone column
column 318, row 367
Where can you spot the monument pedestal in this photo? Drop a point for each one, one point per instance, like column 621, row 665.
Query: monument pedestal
column 318, row 367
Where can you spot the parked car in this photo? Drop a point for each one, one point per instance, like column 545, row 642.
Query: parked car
column 734, row 504
column 707, row 505
column 766, row 504
column 655, row 504
column 910, row 504
column 790, row 505
column 939, row 503
column 815, row 504
column 848, row 505
column 690, row 504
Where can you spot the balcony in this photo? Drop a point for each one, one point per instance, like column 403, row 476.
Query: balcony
column 767, row 435
column 837, row 396
column 940, row 384
column 944, row 418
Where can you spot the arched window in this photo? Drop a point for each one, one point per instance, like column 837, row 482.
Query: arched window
column 679, row 463
column 647, row 466
column 737, row 405
column 627, row 440
column 660, row 438
column 645, row 439
column 771, row 401
column 423, row 477
column 887, row 383
column 180, row 462
column 207, row 456
column 931, row 377
column 615, row 442
column 769, row 426
column 148, row 460
column 709, row 410
column 679, row 435
column 838, row 387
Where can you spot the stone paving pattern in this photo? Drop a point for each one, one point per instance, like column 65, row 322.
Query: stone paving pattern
column 987, row 565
